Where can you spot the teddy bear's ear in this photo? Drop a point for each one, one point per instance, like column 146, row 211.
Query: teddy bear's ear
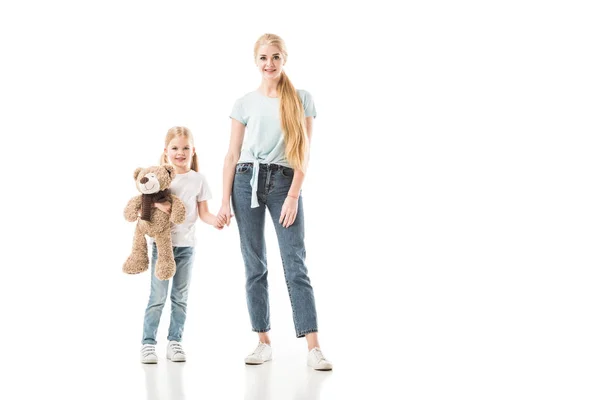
column 170, row 170
column 136, row 173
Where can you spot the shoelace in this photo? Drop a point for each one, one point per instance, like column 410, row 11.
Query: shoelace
column 176, row 347
column 148, row 349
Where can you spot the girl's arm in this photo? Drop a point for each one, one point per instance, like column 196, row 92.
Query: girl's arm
column 205, row 215
column 231, row 159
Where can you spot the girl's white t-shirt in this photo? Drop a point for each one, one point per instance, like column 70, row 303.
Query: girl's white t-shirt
column 191, row 188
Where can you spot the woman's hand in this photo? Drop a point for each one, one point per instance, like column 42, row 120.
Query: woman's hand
column 164, row 207
column 224, row 216
column 289, row 211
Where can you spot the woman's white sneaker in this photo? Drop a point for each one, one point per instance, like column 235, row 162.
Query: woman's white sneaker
column 175, row 352
column 148, row 354
column 261, row 354
column 317, row 360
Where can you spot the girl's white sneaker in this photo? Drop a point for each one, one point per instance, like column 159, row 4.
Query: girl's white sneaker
column 148, row 354
column 175, row 352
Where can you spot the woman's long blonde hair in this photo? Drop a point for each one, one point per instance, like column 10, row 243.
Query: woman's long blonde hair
column 179, row 131
column 293, row 123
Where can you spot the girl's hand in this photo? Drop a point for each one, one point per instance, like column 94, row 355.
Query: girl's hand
column 289, row 211
column 216, row 224
column 164, row 207
column 224, row 216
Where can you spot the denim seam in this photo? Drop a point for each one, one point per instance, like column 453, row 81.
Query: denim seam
column 287, row 283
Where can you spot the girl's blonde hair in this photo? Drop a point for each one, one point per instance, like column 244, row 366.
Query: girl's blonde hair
column 179, row 131
column 293, row 123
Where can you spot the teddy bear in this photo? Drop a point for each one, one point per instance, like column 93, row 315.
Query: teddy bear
column 153, row 182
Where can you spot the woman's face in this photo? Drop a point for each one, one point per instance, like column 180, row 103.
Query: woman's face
column 269, row 61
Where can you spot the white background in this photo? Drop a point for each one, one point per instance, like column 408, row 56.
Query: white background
column 451, row 204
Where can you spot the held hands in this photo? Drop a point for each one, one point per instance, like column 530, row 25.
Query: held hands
column 223, row 217
column 216, row 224
column 289, row 211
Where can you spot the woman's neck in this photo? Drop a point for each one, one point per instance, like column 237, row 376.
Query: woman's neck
column 269, row 87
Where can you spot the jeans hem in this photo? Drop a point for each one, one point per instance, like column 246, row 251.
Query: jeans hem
column 148, row 341
column 304, row 332
column 261, row 330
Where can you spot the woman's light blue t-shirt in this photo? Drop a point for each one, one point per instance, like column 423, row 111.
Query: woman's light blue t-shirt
column 263, row 140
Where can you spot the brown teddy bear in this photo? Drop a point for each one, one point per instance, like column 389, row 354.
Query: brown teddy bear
column 153, row 183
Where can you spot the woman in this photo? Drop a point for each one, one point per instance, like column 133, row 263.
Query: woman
column 264, row 168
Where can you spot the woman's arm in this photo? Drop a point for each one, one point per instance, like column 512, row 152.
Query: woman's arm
column 299, row 175
column 290, row 205
column 231, row 159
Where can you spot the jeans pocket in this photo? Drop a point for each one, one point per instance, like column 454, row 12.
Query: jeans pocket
column 242, row 168
column 287, row 172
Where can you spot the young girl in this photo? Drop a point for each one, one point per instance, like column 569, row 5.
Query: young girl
column 264, row 168
column 191, row 187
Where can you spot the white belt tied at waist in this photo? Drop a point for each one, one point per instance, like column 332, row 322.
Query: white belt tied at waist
column 254, row 184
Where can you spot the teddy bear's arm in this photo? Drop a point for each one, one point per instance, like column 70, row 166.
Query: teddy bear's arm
column 177, row 210
column 132, row 208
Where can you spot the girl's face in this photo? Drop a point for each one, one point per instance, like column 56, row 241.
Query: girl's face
column 179, row 153
column 269, row 61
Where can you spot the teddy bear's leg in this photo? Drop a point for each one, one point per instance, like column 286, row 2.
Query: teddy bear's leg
column 138, row 260
column 165, row 265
